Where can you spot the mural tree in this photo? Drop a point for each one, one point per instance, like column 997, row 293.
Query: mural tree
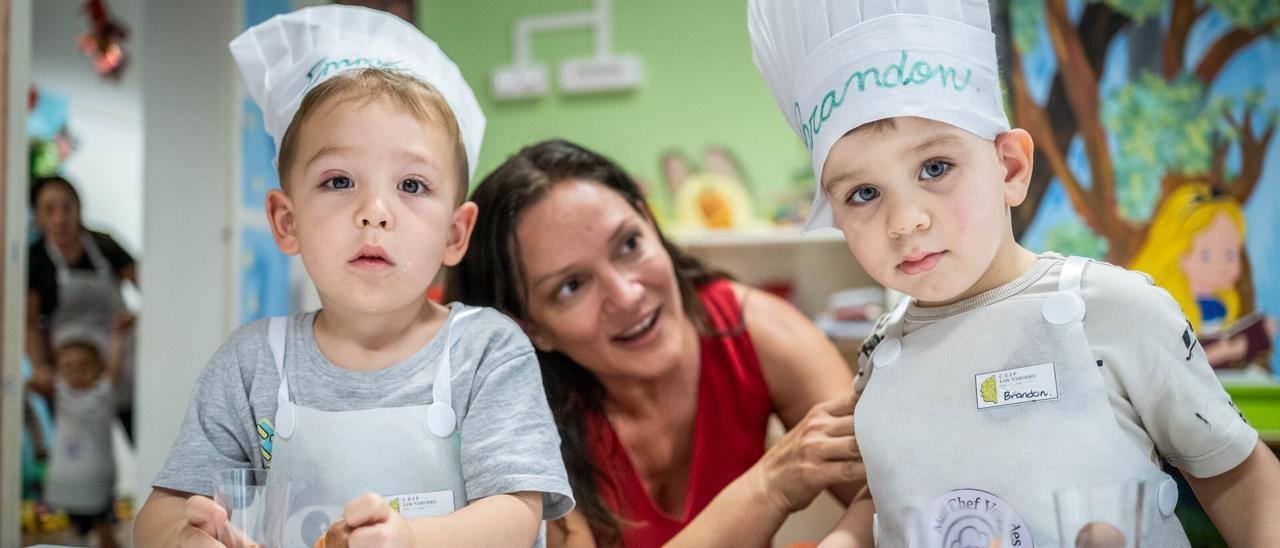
column 1161, row 129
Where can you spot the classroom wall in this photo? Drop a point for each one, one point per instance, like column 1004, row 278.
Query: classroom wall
column 700, row 87
column 188, row 95
column 104, row 117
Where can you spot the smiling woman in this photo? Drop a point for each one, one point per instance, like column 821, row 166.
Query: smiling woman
column 660, row 373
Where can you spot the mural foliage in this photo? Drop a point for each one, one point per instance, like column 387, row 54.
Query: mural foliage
column 1154, row 122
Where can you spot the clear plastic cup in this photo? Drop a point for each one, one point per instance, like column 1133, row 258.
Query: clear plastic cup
column 1100, row 515
column 256, row 508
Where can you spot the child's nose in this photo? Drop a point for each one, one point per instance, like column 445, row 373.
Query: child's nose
column 373, row 213
column 905, row 217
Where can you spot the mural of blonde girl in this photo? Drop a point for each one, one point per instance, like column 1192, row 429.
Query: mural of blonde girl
column 1194, row 250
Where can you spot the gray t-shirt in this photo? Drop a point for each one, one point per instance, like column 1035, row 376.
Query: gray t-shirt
column 509, row 441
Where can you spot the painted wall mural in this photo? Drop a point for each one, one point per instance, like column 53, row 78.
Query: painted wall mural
column 1155, row 122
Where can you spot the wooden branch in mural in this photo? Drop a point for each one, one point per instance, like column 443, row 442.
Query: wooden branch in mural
column 1034, row 119
column 1253, row 150
column 1098, row 27
column 1083, row 96
column 1227, row 46
column 1183, row 16
column 1217, row 168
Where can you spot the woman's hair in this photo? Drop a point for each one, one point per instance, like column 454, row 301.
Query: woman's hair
column 1187, row 212
column 492, row 274
column 53, row 181
column 418, row 98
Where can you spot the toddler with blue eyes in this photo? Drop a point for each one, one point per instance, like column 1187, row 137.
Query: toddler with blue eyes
column 1004, row 376
column 391, row 420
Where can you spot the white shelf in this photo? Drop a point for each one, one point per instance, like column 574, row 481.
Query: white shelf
column 754, row 237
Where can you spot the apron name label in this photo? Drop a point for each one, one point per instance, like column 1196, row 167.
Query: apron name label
column 1022, row 385
column 416, row 505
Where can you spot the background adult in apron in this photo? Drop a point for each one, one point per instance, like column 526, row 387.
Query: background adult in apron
column 74, row 281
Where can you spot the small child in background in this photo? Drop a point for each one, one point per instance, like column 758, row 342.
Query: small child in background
column 82, row 467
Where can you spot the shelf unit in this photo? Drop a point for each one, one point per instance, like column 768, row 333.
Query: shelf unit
column 816, row 264
column 786, row 235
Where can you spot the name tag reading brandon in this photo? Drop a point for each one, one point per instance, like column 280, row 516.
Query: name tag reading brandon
column 436, row 503
column 1022, row 385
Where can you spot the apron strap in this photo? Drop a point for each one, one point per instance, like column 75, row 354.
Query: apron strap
column 277, row 329
column 1072, row 274
column 441, row 419
column 1067, row 304
column 96, row 258
column 893, row 326
column 440, row 387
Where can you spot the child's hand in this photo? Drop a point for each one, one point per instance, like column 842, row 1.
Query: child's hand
column 122, row 322
column 204, row 518
column 368, row 522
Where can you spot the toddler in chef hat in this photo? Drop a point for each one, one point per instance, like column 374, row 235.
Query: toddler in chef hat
column 82, row 466
column 987, row 393
column 382, row 417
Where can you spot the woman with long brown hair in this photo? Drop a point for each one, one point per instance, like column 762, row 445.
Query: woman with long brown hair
column 661, row 373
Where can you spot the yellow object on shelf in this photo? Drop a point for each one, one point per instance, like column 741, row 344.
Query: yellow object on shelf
column 710, row 200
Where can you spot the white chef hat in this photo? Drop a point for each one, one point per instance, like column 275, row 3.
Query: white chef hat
column 77, row 333
column 284, row 57
column 834, row 65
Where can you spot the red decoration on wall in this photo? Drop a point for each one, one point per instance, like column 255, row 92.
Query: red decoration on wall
column 104, row 41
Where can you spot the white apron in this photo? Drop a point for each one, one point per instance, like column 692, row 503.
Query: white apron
column 87, row 305
column 959, row 424
column 410, row 455
column 82, row 469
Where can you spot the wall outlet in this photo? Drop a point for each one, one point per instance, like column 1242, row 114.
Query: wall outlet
column 596, row 74
column 517, row 82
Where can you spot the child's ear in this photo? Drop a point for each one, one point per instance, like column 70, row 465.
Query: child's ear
column 1015, row 150
column 460, row 227
column 283, row 226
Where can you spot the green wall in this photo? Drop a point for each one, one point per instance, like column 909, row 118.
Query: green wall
column 700, row 87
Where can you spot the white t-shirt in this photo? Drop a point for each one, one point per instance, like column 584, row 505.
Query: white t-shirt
column 1164, row 395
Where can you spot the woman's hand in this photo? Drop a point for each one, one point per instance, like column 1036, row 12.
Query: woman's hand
column 820, row 451
column 368, row 522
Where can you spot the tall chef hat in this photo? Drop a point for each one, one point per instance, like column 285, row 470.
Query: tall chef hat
column 284, row 57
column 834, row 65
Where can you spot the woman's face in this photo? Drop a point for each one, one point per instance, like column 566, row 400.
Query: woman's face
column 1213, row 262
column 57, row 214
column 600, row 286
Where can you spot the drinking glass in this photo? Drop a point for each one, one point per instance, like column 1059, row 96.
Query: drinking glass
column 256, row 508
column 1104, row 515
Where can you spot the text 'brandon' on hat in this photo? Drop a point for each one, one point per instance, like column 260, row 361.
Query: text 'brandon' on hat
column 834, row 65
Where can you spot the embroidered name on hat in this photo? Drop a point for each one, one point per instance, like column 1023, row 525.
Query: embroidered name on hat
column 324, row 67
column 892, row 75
